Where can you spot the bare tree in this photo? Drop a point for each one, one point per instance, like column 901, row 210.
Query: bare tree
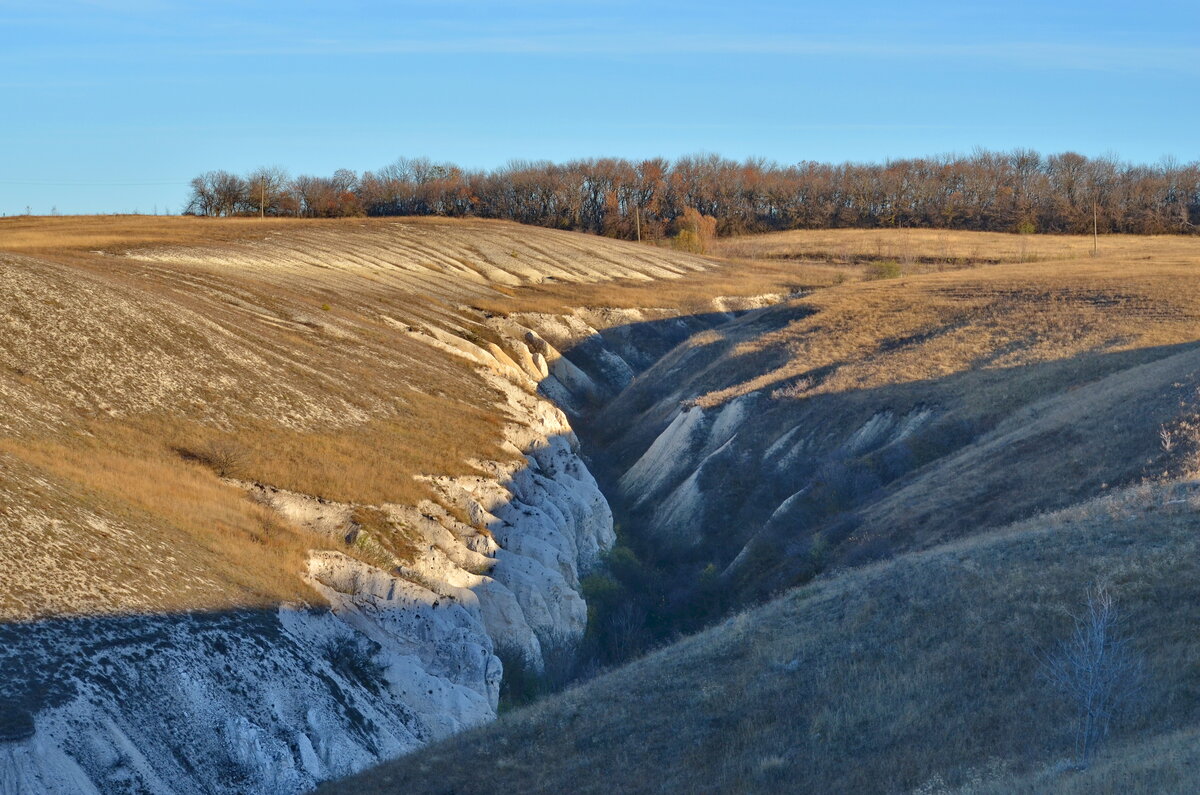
column 998, row 191
column 202, row 201
column 216, row 193
column 1097, row 670
column 266, row 190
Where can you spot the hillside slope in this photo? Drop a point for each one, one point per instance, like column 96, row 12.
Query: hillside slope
column 861, row 420
column 1002, row 438
column 917, row 674
column 304, row 483
column 286, row 480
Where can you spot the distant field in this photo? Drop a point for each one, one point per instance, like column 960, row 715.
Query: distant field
column 917, row 250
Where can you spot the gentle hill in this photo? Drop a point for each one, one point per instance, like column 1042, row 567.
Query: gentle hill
column 294, row 480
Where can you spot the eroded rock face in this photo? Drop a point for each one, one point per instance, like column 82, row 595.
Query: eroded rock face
column 242, row 701
column 278, row 700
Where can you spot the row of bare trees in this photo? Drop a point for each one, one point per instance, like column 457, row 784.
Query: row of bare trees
column 1020, row 190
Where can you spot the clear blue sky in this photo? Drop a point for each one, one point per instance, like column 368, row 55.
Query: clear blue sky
column 112, row 105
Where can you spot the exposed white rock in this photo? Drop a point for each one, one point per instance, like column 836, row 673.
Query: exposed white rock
column 885, row 427
column 726, row 422
column 277, row 701
column 668, row 456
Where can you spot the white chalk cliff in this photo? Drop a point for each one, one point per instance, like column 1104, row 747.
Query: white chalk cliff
column 279, row 700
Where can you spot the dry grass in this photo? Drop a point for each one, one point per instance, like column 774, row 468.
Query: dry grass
column 864, row 336
column 399, row 544
column 116, row 234
column 918, row 250
column 1160, row 764
column 299, row 354
column 302, row 344
column 1033, row 385
column 141, row 356
column 914, row 673
column 155, row 531
column 693, row 294
column 886, row 688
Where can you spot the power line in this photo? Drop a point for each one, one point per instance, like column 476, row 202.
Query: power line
column 56, row 183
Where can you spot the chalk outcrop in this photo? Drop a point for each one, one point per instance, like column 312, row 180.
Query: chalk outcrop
column 279, row 700
column 133, row 659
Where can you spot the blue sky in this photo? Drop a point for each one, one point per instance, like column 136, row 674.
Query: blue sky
column 112, row 105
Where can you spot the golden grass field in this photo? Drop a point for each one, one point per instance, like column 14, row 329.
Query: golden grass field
column 129, row 339
column 917, row 249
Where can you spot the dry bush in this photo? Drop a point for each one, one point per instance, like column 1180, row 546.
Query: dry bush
column 796, row 389
column 884, row 269
column 695, row 232
column 1097, row 670
column 224, row 456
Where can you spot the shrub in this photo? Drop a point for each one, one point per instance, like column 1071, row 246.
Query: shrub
column 884, row 269
column 797, row 388
column 225, row 457
column 354, row 658
column 523, row 683
column 600, row 590
column 695, row 231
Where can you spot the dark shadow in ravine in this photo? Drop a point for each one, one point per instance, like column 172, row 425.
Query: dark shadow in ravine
column 725, row 506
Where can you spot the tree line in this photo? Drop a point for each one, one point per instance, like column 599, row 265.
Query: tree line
column 1016, row 191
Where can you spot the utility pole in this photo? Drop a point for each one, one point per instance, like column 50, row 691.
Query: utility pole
column 1095, row 232
column 637, row 220
column 262, row 199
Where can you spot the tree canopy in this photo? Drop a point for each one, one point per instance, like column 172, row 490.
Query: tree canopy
column 1017, row 191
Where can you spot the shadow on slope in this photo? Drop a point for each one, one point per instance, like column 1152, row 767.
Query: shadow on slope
column 913, row 672
column 721, row 505
column 277, row 698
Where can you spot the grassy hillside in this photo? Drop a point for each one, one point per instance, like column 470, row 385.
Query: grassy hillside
column 142, row 358
column 915, row 674
column 887, row 415
column 955, row 453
